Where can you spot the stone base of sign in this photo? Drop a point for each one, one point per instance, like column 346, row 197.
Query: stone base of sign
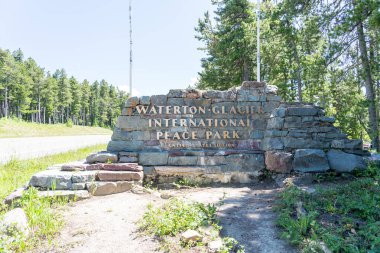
column 231, row 136
column 81, row 179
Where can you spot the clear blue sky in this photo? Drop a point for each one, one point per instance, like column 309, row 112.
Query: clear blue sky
column 90, row 39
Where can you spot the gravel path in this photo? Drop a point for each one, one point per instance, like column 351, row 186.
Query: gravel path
column 107, row 224
column 31, row 147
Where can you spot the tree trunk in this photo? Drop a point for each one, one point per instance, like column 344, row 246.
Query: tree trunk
column 245, row 71
column 373, row 122
column 6, row 102
column 298, row 71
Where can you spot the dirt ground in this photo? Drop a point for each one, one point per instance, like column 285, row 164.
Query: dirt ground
column 108, row 224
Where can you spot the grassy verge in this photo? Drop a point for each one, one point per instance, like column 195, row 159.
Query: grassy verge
column 16, row 173
column 177, row 216
column 345, row 218
column 10, row 128
column 44, row 221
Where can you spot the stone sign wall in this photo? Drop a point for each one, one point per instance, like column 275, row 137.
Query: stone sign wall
column 222, row 136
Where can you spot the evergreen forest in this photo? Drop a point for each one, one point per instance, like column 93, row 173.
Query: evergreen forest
column 322, row 51
column 30, row 93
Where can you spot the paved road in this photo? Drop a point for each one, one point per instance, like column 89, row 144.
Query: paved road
column 31, row 147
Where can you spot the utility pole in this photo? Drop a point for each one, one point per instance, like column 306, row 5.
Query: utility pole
column 130, row 48
column 258, row 40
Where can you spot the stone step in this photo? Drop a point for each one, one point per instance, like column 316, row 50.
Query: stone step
column 107, row 188
column 82, row 166
column 70, row 195
column 198, row 174
column 119, row 176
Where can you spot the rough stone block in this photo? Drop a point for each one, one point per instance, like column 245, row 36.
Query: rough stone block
column 102, row 157
column 275, row 123
column 278, row 112
column 272, row 144
column 246, row 85
column 74, row 166
column 83, row 176
column 128, row 159
column 310, row 160
column 271, row 89
column 183, row 160
column 177, row 93
column 211, row 160
column 347, row 144
column 117, row 146
column 302, row 111
column 123, row 135
column 153, row 158
column 144, row 100
column 275, row 133
column 15, row 195
column 158, row 100
column 344, row 162
column 49, row 179
column 122, row 167
column 132, row 123
column 107, row 188
column 176, row 101
column 257, row 134
column 132, row 101
column 280, row 162
column 245, row 162
column 78, row 186
column 327, row 119
column 119, row 176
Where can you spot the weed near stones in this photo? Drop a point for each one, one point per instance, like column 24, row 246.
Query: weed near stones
column 342, row 218
column 180, row 215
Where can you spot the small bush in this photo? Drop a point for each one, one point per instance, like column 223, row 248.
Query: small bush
column 69, row 123
column 177, row 216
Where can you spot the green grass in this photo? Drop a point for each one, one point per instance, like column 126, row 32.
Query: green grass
column 179, row 215
column 346, row 218
column 12, row 128
column 16, row 173
column 43, row 218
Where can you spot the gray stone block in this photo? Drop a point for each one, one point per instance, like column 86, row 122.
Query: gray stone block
column 52, row 179
column 132, row 101
column 102, row 157
column 144, row 100
column 117, row 146
column 83, row 176
column 177, row 93
column 275, row 133
column 176, row 101
column 302, row 111
column 310, row 160
column 328, row 119
column 183, row 160
column 272, row 144
column 78, row 186
column 280, row 162
column 347, row 144
column 158, row 100
column 132, row 123
column 122, row 135
column 256, row 134
column 128, row 159
column 211, row 160
column 271, row 89
column 344, row 162
column 278, row 112
column 275, row 123
column 245, row 162
column 153, row 158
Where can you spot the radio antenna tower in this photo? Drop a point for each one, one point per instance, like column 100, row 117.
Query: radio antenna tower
column 130, row 48
column 258, row 40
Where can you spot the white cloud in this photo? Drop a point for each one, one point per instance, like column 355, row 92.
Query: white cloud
column 193, row 81
column 135, row 92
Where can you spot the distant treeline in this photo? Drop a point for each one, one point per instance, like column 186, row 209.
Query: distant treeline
column 30, row 93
